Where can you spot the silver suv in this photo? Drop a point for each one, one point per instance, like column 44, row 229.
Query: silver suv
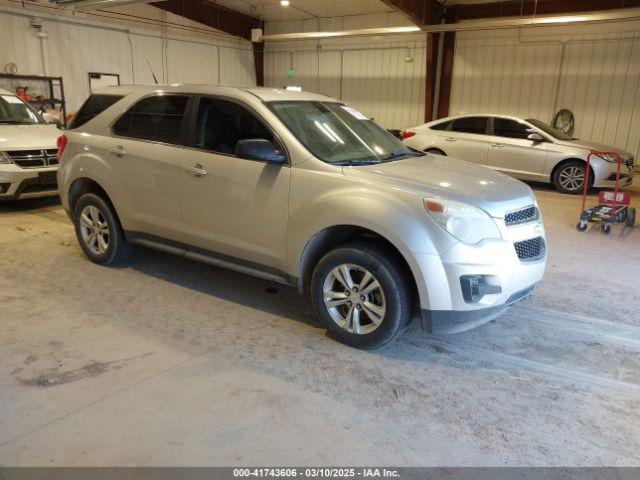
column 301, row 189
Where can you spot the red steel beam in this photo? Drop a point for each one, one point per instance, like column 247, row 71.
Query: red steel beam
column 212, row 15
column 431, row 75
column 446, row 73
column 420, row 12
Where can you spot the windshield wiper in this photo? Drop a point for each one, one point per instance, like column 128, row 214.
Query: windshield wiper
column 15, row 122
column 352, row 163
column 398, row 155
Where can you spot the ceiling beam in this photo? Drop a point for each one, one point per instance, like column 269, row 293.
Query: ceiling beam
column 420, row 12
column 527, row 8
column 212, row 15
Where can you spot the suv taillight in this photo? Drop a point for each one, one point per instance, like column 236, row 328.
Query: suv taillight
column 407, row 134
column 62, row 144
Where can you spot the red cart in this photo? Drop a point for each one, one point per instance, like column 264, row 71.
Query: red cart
column 613, row 207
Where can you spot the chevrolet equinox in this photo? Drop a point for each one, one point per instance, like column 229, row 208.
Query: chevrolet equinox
column 301, row 189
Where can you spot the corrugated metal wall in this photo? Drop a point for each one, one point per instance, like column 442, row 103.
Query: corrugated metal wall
column 73, row 50
column 370, row 74
column 593, row 71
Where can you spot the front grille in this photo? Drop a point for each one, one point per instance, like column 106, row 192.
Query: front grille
column 30, row 163
column 34, row 158
column 526, row 215
column 530, row 250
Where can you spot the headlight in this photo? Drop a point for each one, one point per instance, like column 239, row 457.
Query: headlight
column 465, row 222
column 4, row 158
column 608, row 157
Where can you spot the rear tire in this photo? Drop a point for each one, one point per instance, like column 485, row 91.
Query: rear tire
column 362, row 295
column 569, row 177
column 99, row 232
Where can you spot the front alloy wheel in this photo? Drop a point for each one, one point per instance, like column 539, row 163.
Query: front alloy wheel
column 570, row 177
column 354, row 299
column 363, row 294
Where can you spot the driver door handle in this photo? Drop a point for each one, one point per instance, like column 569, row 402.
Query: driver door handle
column 497, row 145
column 197, row 169
column 118, row 151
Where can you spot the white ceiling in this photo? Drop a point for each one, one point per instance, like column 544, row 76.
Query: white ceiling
column 272, row 11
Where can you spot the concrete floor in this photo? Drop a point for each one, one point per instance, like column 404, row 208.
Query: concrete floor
column 170, row 362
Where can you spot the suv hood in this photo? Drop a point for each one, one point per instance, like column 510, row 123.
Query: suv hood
column 448, row 178
column 595, row 146
column 28, row 137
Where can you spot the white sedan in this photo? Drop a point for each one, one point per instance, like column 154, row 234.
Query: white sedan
column 526, row 149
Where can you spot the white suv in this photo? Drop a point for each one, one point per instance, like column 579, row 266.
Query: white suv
column 28, row 151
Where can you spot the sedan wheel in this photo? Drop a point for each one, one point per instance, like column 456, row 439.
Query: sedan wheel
column 354, row 299
column 570, row 177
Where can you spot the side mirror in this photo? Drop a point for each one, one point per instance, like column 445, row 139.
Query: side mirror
column 535, row 137
column 259, row 149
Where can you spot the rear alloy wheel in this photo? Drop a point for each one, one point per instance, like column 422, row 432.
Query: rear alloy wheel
column 99, row 231
column 570, row 177
column 362, row 295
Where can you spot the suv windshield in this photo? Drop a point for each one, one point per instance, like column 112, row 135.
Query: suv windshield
column 15, row 111
column 554, row 132
column 339, row 134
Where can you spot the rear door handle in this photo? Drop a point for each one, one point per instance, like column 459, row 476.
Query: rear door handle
column 118, row 151
column 451, row 139
column 197, row 169
column 497, row 145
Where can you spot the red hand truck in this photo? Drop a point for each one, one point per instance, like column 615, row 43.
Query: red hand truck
column 613, row 207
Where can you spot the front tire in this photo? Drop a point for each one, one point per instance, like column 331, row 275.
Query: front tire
column 569, row 177
column 99, row 232
column 362, row 295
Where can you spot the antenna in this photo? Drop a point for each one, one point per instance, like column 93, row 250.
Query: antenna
column 151, row 69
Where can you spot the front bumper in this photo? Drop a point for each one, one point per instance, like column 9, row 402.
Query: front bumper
column 21, row 183
column 605, row 174
column 443, row 305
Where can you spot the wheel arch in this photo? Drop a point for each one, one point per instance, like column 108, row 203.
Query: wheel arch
column 332, row 237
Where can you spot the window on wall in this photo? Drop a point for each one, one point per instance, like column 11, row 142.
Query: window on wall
column 157, row 118
column 503, row 127
column 221, row 124
column 476, row 125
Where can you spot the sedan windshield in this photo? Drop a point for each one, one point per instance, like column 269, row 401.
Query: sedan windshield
column 554, row 132
column 339, row 134
column 15, row 111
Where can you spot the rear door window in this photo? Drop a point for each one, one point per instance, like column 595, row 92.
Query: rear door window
column 95, row 105
column 441, row 125
column 158, row 118
column 476, row 125
column 503, row 127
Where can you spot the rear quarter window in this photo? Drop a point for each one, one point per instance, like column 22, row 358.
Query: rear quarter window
column 94, row 106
